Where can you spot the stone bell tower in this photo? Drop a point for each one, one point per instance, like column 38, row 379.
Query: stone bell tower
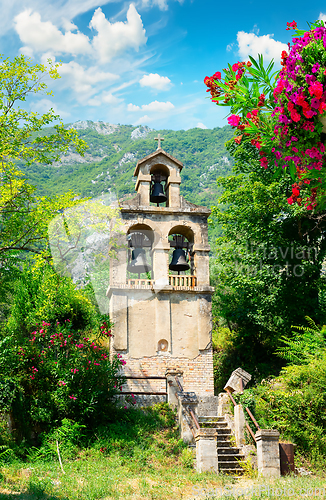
column 159, row 292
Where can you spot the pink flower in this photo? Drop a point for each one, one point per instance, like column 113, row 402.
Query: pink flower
column 217, row 76
column 295, row 116
column 316, row 89
column 72, row 397
column 234, row 120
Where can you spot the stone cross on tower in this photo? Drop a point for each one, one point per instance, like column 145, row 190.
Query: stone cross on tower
column 158, row 139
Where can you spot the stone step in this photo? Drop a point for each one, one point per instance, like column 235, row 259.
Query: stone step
column 229, row 465
column 212, row 418
column 223, row 439
column 216, row 425
column 232, row 472
column 227, row 450
column 232, row 457
column 223, row 432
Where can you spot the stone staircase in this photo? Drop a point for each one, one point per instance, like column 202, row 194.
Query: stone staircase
column 228, row 455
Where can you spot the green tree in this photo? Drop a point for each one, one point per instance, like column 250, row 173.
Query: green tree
column 23, row 215
column 268, row 269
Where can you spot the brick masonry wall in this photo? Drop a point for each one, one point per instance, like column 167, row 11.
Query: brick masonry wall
column 197, row 373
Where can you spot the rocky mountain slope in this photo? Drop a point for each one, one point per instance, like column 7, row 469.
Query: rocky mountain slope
column 113, row 151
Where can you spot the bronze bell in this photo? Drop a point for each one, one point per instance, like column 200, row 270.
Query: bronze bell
column 138, row 262
column 178, row 262
column 158, row 195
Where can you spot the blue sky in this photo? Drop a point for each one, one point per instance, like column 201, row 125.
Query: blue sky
column 144, row 62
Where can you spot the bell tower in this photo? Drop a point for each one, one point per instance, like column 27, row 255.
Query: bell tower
column 159, row 291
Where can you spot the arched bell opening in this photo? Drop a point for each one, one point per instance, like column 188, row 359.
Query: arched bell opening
column 140, row 240
column 181, row 251
column 158, row 190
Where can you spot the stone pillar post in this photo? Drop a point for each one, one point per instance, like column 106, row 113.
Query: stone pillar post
column 206, row 450
column 173, row 387
column 143, row 188
column 239, row 425
column 268, row 452
column 186, row 401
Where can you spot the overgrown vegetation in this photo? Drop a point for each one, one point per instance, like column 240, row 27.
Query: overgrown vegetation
column 294, row 402
column 268, row 267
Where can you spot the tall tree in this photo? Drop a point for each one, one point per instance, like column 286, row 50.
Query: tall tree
column 23, row 215
column 268, row 269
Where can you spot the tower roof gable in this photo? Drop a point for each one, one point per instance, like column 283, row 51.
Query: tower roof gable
column 157, row 153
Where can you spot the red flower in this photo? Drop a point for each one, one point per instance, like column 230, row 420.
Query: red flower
column 291, row 26
column 295, row 116
column 217, row 76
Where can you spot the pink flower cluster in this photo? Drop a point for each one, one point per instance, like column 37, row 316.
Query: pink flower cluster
column 300, row 96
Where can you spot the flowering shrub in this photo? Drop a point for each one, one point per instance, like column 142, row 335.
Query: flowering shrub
column 281, row 118
column 61, row 373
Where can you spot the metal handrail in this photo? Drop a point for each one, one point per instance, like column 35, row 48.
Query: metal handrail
column 193, row 416
column 249, row 413
column 252, row 418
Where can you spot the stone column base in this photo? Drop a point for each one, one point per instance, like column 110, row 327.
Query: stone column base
column 268, row 453
column 206, row 450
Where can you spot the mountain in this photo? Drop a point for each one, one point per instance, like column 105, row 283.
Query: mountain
column 112, row 154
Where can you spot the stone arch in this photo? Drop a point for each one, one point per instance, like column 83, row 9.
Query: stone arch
column 140, row 238
column 184, row 230
column 184, row 235
column 160, row 168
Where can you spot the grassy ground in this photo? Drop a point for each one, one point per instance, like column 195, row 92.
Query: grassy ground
column 137, row 458
column 90, row 477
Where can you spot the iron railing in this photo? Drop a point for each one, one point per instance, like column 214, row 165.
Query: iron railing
column 249, row 413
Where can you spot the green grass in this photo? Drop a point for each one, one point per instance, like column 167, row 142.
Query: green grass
column 136, row 456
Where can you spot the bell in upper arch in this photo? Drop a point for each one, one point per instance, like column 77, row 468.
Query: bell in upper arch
column 178, row 262
column 138, row 262
column 158, row 195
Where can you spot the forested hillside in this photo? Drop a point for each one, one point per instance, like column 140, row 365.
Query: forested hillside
column 112, row 154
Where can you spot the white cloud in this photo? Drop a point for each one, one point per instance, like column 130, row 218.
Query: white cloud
column 143, row 120
column 40, row 36
column 155, row 81
column 104, row 98
column 201, row 125
column 114, row 38
column 82, row 80
column 68, row 25
column 43, row 106
column 133, row 107
column 322, row 17
column 153, row 107
column 161, row 4
column 94, row 102
column 251, row 44
column 110, row 99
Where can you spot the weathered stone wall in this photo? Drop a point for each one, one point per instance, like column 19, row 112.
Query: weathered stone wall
column 197, row 373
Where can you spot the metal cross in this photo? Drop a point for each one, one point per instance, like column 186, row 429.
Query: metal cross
column 158, row 139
